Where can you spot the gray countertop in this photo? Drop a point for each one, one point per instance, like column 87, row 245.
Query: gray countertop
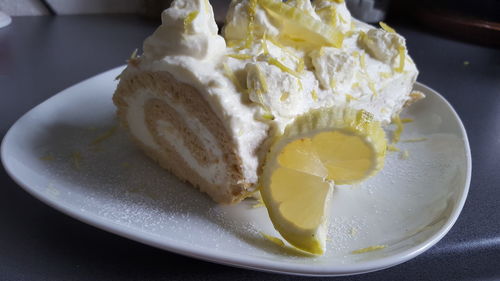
column 40, row 56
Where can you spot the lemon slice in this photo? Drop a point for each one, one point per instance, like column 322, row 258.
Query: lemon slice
column 300, row 26
column 320, row 148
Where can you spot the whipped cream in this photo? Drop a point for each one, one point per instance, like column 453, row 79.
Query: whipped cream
column 262, row 73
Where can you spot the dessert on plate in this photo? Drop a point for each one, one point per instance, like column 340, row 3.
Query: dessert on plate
column 290, row 99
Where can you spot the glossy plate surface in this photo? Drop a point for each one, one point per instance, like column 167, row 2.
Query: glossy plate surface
column 67, row 153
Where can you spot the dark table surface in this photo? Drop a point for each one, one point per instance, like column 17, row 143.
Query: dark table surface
column 40, row 56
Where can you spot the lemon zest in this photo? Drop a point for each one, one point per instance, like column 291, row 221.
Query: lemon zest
column 333, row 83
column 386, row 27
column 300, row 66
column 189, row 19
column 283, row 67
column 262, row 79
column 240, row 56
column 386, row 75
column 207, row 7
column 109, row 133
column 228, row 72
column 402, row 55
column 284, row 96
column 268, row 116
column 350, row 98
column 362, row 60
column 369, row 249
column 314, row 95
column 399, row 129
column 252, row 7
column 342, row 19
column 371, row 85
column 392, row 148
column 264, row 44
column 407, row 120
column 415, row 140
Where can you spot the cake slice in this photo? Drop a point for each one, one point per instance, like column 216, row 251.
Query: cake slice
column 206, row 107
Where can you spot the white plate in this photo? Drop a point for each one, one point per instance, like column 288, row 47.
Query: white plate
column 409, row 206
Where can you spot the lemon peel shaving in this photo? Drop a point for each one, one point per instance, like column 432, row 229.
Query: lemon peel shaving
column 371, row 85
column 300, row 66
column 386, row 27
column 228, row 72
column 240, row 56
column 369, row 249
column 333, row 83
column 189, row 19
column 284, row 96
column 406, row 120
column 283, row 67
column 399, row 129
column 109, row 133
column 415, row 140
column 262, row 79
column 268, row 116
column 392, row 148
column 402, row 57
column 362, row 61
column 252, row 7
column 134, row 54
column 350, row 98
column 314, row 95
column 386, row 75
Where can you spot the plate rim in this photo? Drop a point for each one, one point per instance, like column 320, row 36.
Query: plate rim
column 238, row 260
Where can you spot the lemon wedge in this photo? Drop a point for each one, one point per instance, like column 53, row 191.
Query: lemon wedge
column 319, row 149
column 298, row 26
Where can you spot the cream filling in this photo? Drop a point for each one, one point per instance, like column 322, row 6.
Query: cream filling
column 137, row 120
column 214, row 173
